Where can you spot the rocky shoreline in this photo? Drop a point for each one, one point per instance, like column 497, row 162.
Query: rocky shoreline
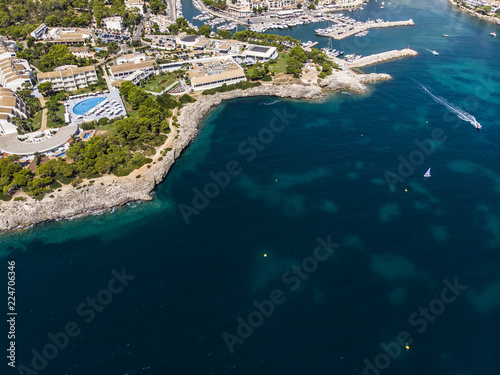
column 108, row 192
column 476, row 14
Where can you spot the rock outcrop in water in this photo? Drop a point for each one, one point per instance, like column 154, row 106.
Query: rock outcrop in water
column 110, row 191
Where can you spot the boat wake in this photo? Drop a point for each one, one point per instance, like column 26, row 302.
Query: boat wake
column 457, row 111
column 433, row 52
column 276, row 101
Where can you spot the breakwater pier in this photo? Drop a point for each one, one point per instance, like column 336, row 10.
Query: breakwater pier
column 353, row 29
column 382, row 57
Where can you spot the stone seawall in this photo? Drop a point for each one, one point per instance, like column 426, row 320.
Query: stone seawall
column 109, row 191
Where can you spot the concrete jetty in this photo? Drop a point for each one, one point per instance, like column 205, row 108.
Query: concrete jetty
column 382, row 57
column 309, row 47
column 351, row 30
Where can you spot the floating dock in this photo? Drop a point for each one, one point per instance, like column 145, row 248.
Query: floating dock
column 382, row 57
column 351, row 30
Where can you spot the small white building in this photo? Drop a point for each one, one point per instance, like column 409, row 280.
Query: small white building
column 39, row 32
column 260, row 53
column 113, row 23
column 82, row 52
column 131, row 58
column 135, row 4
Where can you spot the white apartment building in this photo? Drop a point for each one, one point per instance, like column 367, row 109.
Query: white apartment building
column 113, row 23
column 69, row 78
column 14, row 72
column 11, row 105
column 8, row 48
column 135, row 4
column 131, row 58
column 132, row 71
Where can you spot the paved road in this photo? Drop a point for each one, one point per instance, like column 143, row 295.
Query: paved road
column 140, row 27
column 43, row 125
column 10, row 143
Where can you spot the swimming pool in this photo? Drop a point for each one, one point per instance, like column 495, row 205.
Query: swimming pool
column 86, row 105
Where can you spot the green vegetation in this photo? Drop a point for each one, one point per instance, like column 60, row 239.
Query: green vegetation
column 159, row 83
column 265, row 39
column 298, row 57
column 204, row 30
column 258, row 71
column 55, row 113
column 157, row 6
column 186, row 99
column 37, row 121
column 243, row 85
column 46, row 57
column 224, row 34
column 216, row 4
column 280, row 65
column 13, row 177
column 126, row 148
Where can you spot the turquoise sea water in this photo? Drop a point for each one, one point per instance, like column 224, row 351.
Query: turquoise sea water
column 320, row 174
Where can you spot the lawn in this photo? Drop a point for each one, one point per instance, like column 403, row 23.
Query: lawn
column 280, row 66
column 60, row 113
column 37, row 120
column 130, row 112
column 159, row 83
column 109, row 128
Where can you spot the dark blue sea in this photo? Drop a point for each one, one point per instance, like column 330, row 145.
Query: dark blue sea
column 295, row 237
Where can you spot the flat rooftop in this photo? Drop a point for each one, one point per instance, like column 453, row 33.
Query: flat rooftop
column 260, row 49
column 189, row 38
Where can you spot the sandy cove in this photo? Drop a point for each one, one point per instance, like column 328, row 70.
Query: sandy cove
column 109, row 191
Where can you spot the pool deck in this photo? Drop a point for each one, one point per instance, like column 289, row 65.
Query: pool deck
column 114, row 94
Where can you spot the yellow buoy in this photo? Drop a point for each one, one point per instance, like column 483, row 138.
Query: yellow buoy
column 265, row 255
column 406, row 189
column 407, row 347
